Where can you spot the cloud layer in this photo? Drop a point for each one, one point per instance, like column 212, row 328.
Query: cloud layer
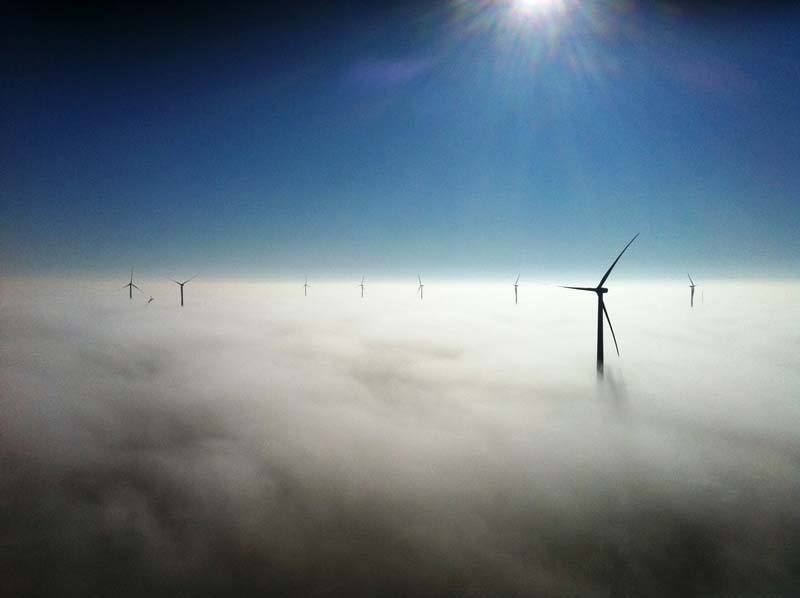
column 260, row 443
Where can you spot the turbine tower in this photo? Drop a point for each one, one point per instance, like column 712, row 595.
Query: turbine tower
column 600, row 290
column 130, row 286
column 180, row 284
column 362, row 287
column 516, row 284
column 306, row 286
column 420, row 288
column 691, row 286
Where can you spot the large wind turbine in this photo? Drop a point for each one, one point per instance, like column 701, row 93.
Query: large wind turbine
column 180, row 284
column 516, row 284
column 362, row 287
column 691, row 286
column 306, row 286
column 130, row 286
column 601, row 308
column 420, row 288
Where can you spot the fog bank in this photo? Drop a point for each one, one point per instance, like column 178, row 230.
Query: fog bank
column 257, row 442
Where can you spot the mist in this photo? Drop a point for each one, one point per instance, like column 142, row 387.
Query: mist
column 258, row 442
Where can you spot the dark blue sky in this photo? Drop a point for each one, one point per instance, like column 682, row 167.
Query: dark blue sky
column 460, row 139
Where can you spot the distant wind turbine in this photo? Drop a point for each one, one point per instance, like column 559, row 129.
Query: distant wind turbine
column 362, row 287
column 306, row 286
column 420, row 288
column 149, row 301
column 516, row 284
column 130, row 286
column 691, row 286
column 180, row 284
column 600, row 290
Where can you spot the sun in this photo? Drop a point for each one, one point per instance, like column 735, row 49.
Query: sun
column 536, row 7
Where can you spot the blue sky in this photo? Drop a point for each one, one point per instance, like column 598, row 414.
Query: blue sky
column 454, row 138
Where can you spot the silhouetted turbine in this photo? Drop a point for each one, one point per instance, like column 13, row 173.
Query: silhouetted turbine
column 691, row 296
column 420, row 288
column 180, row 284
column 601, row 308
column 516, row 284
column 130, row 286
column 362, row 287
column 306, row 286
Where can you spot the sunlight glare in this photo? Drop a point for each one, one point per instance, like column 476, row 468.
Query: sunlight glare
column 528, row 8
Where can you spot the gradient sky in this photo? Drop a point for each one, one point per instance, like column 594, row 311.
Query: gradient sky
column 453, row 138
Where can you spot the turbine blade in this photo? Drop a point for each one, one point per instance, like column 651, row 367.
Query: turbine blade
column 580, row 288
column 135, row 287
column 192, row 278
column 173, row 280
column 614, row 336
column 605, row 276
column 419, row 278
column 691, row 282
column 517, row 280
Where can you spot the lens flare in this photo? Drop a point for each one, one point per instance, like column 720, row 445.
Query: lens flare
column 528, row 34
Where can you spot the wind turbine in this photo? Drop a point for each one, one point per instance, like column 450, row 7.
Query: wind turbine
column 600, row 290
column 691, row 286
column 420, row 288
column 306, row 286
column 362, row 287
column 130, row 286
column 516, row 284
column 180, row 284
